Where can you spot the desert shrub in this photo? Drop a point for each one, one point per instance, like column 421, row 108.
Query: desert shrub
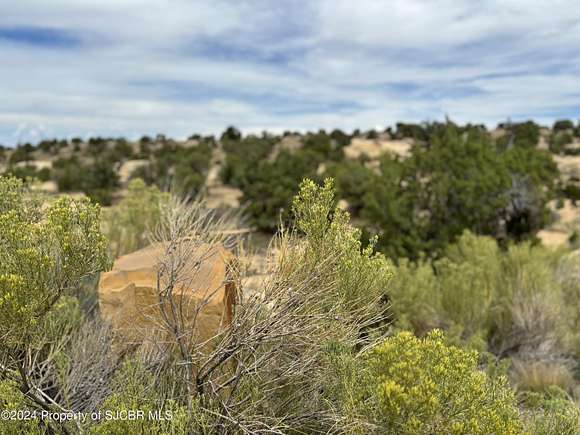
column 519, row 303
column 182, row 170
column 537, row 165
column 372, row 134
column 468, row 276
column 563, row 124
column 455, row 293
column 334, row 279
column 520, row 135
column 387, row 212
column 29, row 172
column 352, row 181
column 457, row 182
column 558, row 142
column 571, row 191
column 46, row 249
column 127, row 224
column 568, row 278
column 12, row 399
column 269, row 180
column 530, row 320
column 231, row 134
column 22, row 153
column 541, row 376
column 271, row 186
column 97, row 146
column 42, row 254
column 341, row 138
column 426, row 201
column 136, row 388
column 550, row 414
column 362, row 275
column 422, row 386
column 242, row 156
column 321, row 144
column 414, row 131
column 98, row 180
column 68, row 174
column 414, row 297
column 121, row 150
column 47, row 146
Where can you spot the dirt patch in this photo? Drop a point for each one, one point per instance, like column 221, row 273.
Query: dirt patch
column 291, row 143
column 553, row 238
column 374, row 149
column 569, row 166
column 128, row 167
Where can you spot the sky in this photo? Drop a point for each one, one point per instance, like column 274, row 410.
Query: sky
column 177, row 67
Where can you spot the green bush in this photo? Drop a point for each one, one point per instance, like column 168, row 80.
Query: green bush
column 551, row 414
column 425, row 202
column 571, row 191
column 520, row 135
column 137, row 389
column 121, row 150
column 271, row 186
column 22, row 153
column 29, row 172
column 242, row 157
column 269, row 183
column 98, row 180
column 340, row 138
column 128, row 223
column 458, row 182
column 414, row 131
column 558, row 142
column 362, row 275
column 563, row 124
column 353, row 180
column 321, row 144
column 231, row 134
column 520, row 303
column 182, row 170
column 424, row 386
column 43, row 252
column 46, row 250
column 12, row 399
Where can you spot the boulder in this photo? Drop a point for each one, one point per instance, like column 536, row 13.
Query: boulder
column 205, row 297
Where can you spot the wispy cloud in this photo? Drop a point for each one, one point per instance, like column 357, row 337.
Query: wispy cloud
column 130, row 67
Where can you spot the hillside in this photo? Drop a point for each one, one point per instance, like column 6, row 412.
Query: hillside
column 102, row 168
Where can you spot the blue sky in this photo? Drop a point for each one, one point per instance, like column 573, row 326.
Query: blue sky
column 134, row 67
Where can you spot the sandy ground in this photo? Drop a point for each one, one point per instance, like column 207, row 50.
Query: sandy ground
column 373, row 149
column 217, row 194
column 128, row 167
column 289, row 143
column 566, row 221
column 38, row 164
column 569, row 166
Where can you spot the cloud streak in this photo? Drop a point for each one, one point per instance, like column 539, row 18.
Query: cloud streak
column 132, row 67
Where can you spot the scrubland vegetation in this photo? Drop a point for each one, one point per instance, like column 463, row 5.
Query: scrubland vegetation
column 429, row 307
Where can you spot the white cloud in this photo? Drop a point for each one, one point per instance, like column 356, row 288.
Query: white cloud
column 181, row 66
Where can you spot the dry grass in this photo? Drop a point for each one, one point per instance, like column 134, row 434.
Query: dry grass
column 539, row 376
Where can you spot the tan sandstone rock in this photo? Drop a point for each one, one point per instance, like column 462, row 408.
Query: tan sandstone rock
column 129, row 300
